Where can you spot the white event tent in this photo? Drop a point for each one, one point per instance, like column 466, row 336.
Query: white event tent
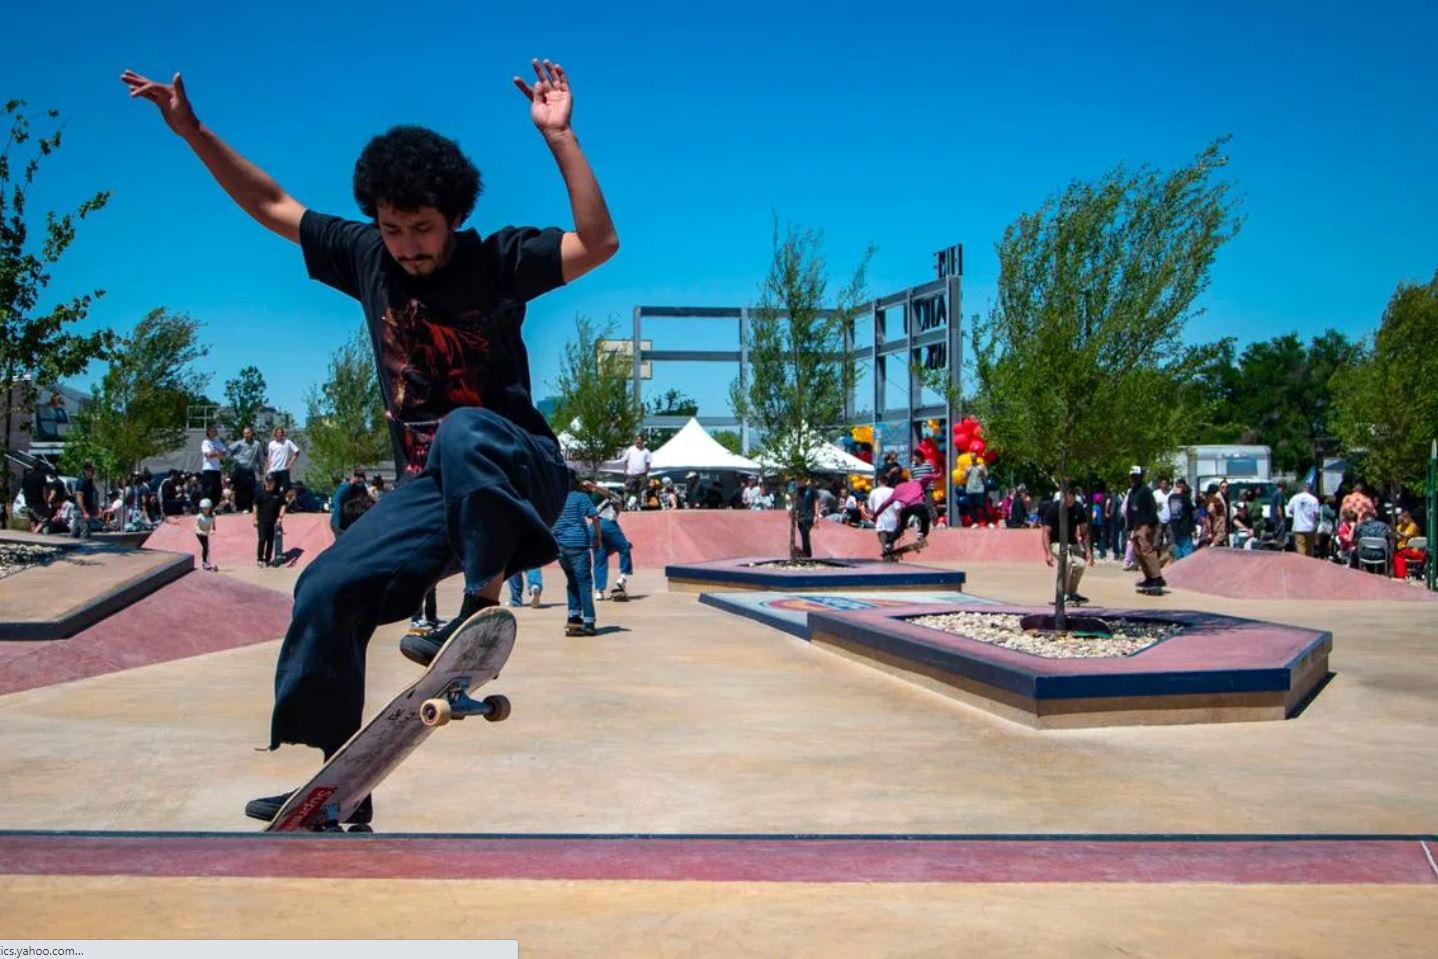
column 694, row 449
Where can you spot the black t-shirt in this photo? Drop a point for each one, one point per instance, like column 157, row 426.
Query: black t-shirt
column 1078, row 516
column 88, row 496
column 267, row 506
column 1180, row 515
column 1141, row 510
column 445, row 341
column 804, row 504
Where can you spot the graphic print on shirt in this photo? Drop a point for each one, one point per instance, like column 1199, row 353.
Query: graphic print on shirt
column 431, row 367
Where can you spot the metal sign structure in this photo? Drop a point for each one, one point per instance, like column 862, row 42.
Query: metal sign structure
column 922, row 325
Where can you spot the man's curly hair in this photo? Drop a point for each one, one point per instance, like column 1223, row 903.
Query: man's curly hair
column 410, row 167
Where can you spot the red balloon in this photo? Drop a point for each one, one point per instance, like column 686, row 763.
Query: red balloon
column 866, row 455
column 977, row 446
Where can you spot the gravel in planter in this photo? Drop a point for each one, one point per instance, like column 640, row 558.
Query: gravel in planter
column 18, row 557
column 1129, row 636
column 794, row 564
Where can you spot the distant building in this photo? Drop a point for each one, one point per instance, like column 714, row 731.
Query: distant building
column 40, row 431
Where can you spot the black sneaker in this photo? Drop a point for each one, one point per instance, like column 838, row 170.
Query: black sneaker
column 267, row 807
column 1077, row 598
column 423, row 648
column 1160, row 582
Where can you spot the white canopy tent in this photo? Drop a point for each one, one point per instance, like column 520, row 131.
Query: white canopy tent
column 566, row 448
column 694, row 449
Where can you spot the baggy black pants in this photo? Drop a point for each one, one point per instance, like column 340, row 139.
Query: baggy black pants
column 483, row 504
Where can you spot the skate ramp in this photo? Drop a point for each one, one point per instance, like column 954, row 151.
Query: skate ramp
column 199, row 613
column 233, row 542
column 679, row 537
column 1262, row 574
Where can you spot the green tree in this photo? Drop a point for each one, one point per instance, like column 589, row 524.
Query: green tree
column 1386, row 403
column 345, row 425
column 1278, row 393
column 799, row 372
column 671, row 402
column 1079, row 361
column 245, row 396
column 35, row 347
column 596, row 405
column 138, row 410
column 730, row 440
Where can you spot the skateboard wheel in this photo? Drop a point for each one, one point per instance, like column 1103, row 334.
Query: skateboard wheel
column 498, row 708
column 434, row 712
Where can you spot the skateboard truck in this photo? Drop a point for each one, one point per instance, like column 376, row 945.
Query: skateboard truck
column 456, row 704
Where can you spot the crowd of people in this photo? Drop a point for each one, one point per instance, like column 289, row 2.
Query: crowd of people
column 1346, row 529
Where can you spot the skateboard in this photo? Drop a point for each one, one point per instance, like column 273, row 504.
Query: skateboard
column 1152, row 590
column 618, row 594
column 470, row 658
column 893, row 555
column 277, row 558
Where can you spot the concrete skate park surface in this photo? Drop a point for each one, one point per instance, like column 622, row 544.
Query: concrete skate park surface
column 80, row 586
column 233, row 542
column 1261, row 574
column 690, row 782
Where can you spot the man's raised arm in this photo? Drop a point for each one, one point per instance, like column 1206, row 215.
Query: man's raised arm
column 253, row 189
column 593, row 239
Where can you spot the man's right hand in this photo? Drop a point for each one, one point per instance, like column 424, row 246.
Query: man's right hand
column 169, row 97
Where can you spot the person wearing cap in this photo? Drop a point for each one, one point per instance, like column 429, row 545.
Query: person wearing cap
column 204, row 526
column 87, row 503
column 1141, row 514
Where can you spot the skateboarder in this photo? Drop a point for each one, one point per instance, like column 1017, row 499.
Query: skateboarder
column 906, row 503
column 444, row 308
column 1141, row 515
column 611, row 540
column 1079, row 546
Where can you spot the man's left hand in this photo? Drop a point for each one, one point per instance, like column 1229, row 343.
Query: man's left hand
column 550, row 103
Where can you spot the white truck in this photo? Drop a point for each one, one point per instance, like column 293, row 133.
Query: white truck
column 1202, row 465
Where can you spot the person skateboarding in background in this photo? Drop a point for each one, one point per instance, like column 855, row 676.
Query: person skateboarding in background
column 444, row 306
column 1141, row 515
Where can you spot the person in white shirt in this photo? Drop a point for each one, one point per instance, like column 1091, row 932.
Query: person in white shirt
column 212, row 451
column 636, row 472
column 751, row 492
column 1303, row 510
column 885, row 520
column 283, row 455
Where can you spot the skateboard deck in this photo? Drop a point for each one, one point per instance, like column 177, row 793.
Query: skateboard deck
column 619, row 595
column 1152, row 590
column 470, row 658
column 277, row 557
column 906, row 549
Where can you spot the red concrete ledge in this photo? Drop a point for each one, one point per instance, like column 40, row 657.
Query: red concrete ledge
column 1033, row 859
column 156, row 629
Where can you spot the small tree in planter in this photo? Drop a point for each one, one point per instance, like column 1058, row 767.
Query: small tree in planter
column 1078, row 361
column 799, row 371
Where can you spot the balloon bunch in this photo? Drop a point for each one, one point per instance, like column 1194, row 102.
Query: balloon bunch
column 860, row 443
column 860, row 484
column 971, row 448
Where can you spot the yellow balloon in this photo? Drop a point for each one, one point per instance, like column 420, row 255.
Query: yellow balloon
column 959, row 474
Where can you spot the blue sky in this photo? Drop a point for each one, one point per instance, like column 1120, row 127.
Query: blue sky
column 902, row 126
